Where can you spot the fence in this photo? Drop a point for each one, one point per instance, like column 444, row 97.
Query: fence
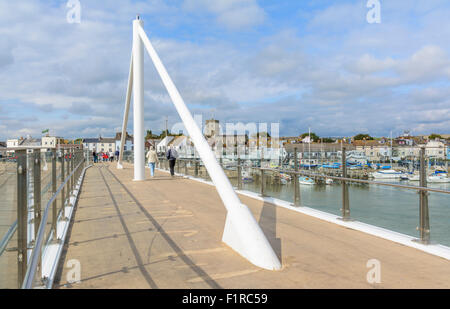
column 37, row 187
column 195, row 168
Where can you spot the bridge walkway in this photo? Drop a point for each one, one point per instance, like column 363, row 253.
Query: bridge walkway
column 166, row 233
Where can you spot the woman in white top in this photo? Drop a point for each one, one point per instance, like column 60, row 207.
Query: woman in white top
column 152, row 158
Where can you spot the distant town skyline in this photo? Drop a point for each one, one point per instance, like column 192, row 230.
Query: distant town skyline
column 317, row 64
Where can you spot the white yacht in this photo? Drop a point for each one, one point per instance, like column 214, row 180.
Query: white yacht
column 414, row 177
column 438, row 178
column 386, row 174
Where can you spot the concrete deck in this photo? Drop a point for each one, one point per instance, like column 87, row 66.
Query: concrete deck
column 166, row 233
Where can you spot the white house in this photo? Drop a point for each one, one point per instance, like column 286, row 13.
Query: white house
column 435, row 149
column 106, row 144
column 163, row 144
column 14, row 142
column 128, row 142
column 90, row 143
column 51, row 142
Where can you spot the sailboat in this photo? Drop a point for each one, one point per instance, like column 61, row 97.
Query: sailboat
column 304, row 180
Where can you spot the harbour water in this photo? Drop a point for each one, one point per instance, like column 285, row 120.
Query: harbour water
column 396, row 209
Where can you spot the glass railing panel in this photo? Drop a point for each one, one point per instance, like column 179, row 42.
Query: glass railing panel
column 8, row 221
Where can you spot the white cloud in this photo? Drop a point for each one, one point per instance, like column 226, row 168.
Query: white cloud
column 298, row 76
column 233, row 14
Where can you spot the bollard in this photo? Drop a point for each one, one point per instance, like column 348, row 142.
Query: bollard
column 423, row 202
column 239, row 174
column 345, row 202
column 296, row 184
column 21, row 215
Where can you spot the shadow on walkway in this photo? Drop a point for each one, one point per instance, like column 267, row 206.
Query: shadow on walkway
column 268, row 224
column 198, row 270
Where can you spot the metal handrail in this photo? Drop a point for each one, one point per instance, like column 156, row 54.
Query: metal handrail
column 31, row 269
column 354, row 180
column 303, row 173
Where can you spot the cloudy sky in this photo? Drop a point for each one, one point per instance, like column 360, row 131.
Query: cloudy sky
column 309, row 63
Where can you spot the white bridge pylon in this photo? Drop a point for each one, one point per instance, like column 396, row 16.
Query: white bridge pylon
column 242, row 232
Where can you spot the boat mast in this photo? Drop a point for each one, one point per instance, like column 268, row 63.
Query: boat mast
column 391, row 149
column 309, row 149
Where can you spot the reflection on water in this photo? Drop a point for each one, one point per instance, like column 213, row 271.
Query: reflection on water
column 388, row 207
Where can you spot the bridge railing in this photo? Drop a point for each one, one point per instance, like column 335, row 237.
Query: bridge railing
column 235, row 172
column 36, row 186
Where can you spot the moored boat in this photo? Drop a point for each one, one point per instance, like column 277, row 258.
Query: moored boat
column 304, row 180
column 386, row 174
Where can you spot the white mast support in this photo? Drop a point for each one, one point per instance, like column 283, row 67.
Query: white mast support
column 125, row 113
column 242, row 232
column 138, row 102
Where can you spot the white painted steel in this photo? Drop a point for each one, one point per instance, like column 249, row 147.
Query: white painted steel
column 125, row 113
column 138, row 102
column 242, row 232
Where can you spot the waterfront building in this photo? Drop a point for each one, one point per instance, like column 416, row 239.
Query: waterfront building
column 435, row 149
column 90, row 143
column 183, row 145
column 129, row 146
column 289, row 140
column 150, row 143
column 318, row 151
column 51, row 142
column 163, row 144
column 25, row 143
column 106, row 144
column 212, row 128
column 2, row 149
column 12, row 143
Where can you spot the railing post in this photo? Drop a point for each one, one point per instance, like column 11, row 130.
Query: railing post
column 196, row 168
column 296, row 184
column 68, row 180
column 54, row 210
column 63, row 175
column 263, row 183
column 185, row 167
column 239, row 174
column 424, row 214
column 72, row 178
column 37, row 198
column 37, row 189
column 22, row 198
column 345, row 202
column 69, row 167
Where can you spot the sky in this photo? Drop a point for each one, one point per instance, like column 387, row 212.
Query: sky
column 308, row 63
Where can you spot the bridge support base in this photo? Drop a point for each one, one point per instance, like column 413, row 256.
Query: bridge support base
column 242, row 234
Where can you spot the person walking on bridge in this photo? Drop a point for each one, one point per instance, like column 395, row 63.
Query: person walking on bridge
column 172, row 156
column 152, row 158
column 94, row 154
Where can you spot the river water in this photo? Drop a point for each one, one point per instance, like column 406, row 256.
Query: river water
column 392, row 208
